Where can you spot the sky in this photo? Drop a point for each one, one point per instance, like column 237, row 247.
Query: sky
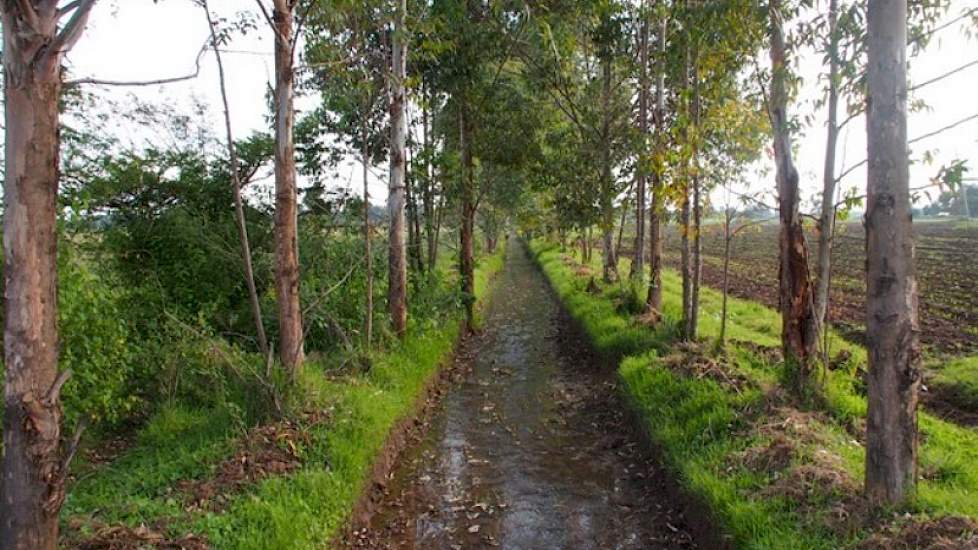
column 140, row 39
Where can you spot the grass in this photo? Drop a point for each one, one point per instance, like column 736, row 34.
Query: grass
column 705, row 428
column 305, row 509
column 958, row 381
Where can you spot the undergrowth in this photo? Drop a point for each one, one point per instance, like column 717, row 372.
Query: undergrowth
column 305, row 508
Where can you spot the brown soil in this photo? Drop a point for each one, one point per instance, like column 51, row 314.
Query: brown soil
column 945, row 272
column 942, row 402
column 119, row 537
column 946, row 533
column 272, row 449
column 692, row 359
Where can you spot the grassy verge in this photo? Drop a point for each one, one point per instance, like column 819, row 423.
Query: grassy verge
column 303, row 508
column 770, row 472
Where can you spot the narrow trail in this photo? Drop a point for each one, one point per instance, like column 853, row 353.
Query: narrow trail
column 530, row 449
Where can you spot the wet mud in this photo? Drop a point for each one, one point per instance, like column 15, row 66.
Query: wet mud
column 531, row 448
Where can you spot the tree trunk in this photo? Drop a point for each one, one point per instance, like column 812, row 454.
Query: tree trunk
column 427, row 197
column 826, row 221
column 249, row 271
column 655, row 225
column 414, row 226
column 286, row 200
column 892, row 327
column 684, row 220
column 697, row 259
column 368, row 328
column 621, row 224
column 641, row 173
column 726, row 270
column 466, row 251
column 34, row 472
column 610, row 271
column 799, row 325
column 397, row 275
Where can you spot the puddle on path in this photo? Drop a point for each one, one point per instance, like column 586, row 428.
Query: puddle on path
column 530, row 450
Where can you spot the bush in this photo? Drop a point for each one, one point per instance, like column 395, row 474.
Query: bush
column 95, row 343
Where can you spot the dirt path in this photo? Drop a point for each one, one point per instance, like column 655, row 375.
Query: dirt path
column 530, row 449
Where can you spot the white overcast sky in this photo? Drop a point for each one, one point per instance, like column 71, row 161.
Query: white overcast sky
column 140, row 39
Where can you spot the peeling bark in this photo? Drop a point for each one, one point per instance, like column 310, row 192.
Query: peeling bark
column 799, row 324
column 826, row 220
column 397, row 274
column 654, row 298
column 286, row 200
column 892, row 327
column 34, row 471
column 466, row 251
column 641, row 177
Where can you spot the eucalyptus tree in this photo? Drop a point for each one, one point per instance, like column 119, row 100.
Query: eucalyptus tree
column 36, row 36
column 218, row 38
column 642, row 116
column 347, row 52
column 473, row 42
column 717, row 41
column 799, row 322
column 892, row 325
column 281, row 21
column 397, row 188
column 654, row 297
column 581, row 57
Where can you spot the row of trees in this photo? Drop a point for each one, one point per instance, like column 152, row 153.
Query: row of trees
column 716, row 107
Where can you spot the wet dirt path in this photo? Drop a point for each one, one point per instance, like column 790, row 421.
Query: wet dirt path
column 530, row 449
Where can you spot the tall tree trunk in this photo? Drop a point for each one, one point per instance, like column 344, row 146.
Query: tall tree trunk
column 697, row 259
column 641, row 173
column 610, row 271
column 286, row 200
column 727, row 237
column 655, row 225
column 892, row 327
column 397, row 275
column 34, row 472
column 466, row 250
column 799, row 324
column 249, row 271
column 621, row 224
column 439, row 217
column 414, row 224
column 684, row 220
column 368, row 328
column 428, row 201
column 826, row 221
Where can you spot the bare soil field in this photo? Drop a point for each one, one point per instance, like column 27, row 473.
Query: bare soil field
column 946, row 272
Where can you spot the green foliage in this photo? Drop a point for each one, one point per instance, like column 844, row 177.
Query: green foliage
column 95, row 343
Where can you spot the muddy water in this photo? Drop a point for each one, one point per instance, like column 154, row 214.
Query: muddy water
column 530, row 449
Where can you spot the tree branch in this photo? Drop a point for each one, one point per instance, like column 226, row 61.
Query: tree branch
column 29, row 14
column 72, row 31
column 849, row 170
column 171, row 80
